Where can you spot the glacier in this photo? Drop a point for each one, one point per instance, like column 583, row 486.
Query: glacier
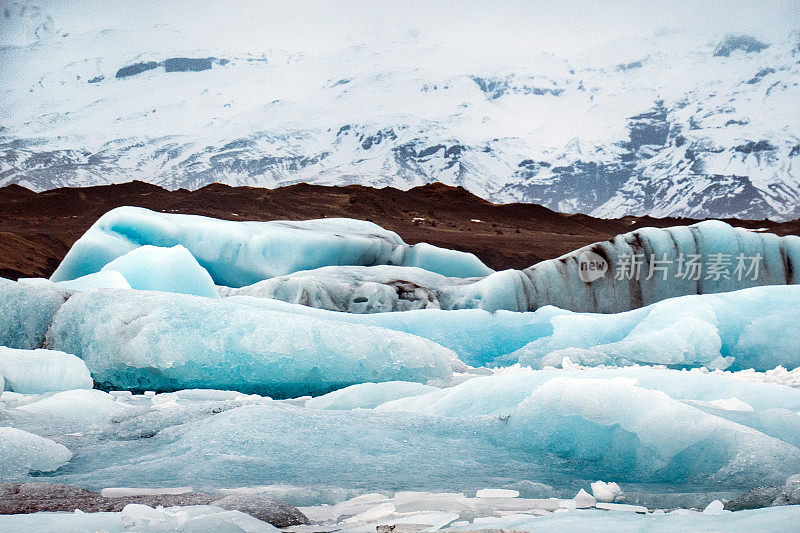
column 161, row 341
column 625, row 127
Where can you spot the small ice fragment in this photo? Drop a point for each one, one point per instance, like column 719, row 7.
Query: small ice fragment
column 606, row 492
column 373, row 513
column 621, row 507
column 149, row 393
column 584, row 500
column 121, row 393
column 714, row 508
column 497, row 493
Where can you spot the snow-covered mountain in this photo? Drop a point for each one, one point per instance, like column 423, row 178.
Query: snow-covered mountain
column 673, row 123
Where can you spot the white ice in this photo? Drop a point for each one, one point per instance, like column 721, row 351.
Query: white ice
column 78, row 404
column 22, row 452
column 37, row 371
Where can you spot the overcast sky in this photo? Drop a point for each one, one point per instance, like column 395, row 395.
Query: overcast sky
column 559, row 27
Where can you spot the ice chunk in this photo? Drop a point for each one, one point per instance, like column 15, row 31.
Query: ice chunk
column 105, row 279
column 714, row 508
column 624, row 507
column 584, row 500
column 662, row 271
column 151, row 340
column 605, row 492
column 625, row 429
column 164, row 269
column 190, row 518
column 242, row 253
column 121, row 492
column 26, row 311
column 78, row 404
column 38, row 371
column 368, row 395
column 22, row 452
column 499, row 394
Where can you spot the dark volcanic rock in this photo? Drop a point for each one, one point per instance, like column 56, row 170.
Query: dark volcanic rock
column 23, row 498
column 276, row 512
column 788, row 494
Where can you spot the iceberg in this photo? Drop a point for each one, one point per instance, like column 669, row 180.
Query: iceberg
column 242, row 253
column 627, row 272
column 146, row 340
column 566, row 429
column 381, row 289
column 22, row 452
column 156, row 268
column 39, row 371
